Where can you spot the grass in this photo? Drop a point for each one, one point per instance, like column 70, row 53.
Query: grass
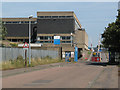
column 20, row 63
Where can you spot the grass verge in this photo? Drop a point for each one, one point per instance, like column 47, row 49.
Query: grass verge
column 20, row 63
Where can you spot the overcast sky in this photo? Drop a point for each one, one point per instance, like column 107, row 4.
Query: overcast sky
column 93, row 16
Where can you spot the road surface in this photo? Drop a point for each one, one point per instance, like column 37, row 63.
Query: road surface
column 66, row 75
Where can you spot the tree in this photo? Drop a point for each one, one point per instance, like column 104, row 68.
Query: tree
column 111, row 35
column 3, row 31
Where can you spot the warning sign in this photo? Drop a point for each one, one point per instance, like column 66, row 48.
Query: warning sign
column 25, row 45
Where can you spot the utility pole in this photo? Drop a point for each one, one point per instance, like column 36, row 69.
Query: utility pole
column 99, row 46
column 30, row 17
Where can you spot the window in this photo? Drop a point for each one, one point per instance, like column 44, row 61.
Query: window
column 47, row 16
column 41, row 42
column 68, row 41
column 8, row 22
column 40, row 16
column 46, row 37
column 26, row 21
column 63, row 41
column 63, row 37
column 41, row 37
column 68, row 37
column 54, row 16
column 47, row 42
column 61, row 16
column 69, row 16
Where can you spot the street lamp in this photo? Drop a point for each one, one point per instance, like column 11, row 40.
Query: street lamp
column 30, row 17
column 71, row 39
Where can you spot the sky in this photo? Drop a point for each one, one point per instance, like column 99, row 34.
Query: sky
column 93, row 16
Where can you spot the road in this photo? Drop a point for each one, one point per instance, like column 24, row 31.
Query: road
column 66, row 75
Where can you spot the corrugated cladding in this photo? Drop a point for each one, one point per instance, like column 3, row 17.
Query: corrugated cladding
column 49, row 26
column 18, row 30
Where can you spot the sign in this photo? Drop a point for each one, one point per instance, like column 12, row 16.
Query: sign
column 25, row 46
column 32, row 45
column 57, row 40
column 67, row 56
column 72, row 54
column 63, row 54
column 76, row 55
column 100, row 50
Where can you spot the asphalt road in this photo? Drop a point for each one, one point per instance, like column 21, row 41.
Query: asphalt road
column 67, row 75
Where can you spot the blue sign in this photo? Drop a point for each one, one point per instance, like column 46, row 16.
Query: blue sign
column 57, row 40
column 100, row 50
column 76, row 55
column 67, row 56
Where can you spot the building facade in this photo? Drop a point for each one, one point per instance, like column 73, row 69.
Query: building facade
column 45, row 27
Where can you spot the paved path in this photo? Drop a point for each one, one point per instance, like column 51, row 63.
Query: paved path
column 68, row 75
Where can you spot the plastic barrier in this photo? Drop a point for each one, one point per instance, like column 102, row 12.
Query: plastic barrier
column 96, row 59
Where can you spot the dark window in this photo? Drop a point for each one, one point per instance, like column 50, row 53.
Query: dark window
column 22, row 21
column 63, row 41
column 26, row 21
column 46, row 37
column 41, row 42
column 68, row 37
column 32, row 21
column 68, row 41
column 61, row 16
column 63, row 37
column 69, row 16
column 40, row 16
column 15, row 22
column 54, row 16
column 8, row 22
column 47, row 16
column 46, row 41
column 41, row 37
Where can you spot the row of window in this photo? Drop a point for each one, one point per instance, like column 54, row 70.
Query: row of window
column 19, row 22
column 52, row 41
column 55, row 16
column 52, row 37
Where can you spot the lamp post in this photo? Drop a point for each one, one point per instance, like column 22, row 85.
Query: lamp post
column 71, row 39
column 30, row 17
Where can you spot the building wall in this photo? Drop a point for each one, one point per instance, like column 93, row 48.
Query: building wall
column 48, row 26
column 81, row 38
column 18, row 30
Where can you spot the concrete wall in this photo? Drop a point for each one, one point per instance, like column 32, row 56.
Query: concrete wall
column 81, row 38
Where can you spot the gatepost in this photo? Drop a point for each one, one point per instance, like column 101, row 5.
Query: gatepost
column 76, row 54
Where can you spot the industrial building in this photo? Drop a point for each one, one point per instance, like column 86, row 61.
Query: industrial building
column 64, row 26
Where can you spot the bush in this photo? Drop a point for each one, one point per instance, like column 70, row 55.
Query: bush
column 13, row 44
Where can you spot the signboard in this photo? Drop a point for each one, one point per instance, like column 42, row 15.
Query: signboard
column 100, row 50
column 32, row 45
column 72, row 54
column 25, row 46
column 63, row 54
column 57, row 40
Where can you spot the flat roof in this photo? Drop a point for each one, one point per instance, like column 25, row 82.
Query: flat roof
column 18, row 19
column 55, row 13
